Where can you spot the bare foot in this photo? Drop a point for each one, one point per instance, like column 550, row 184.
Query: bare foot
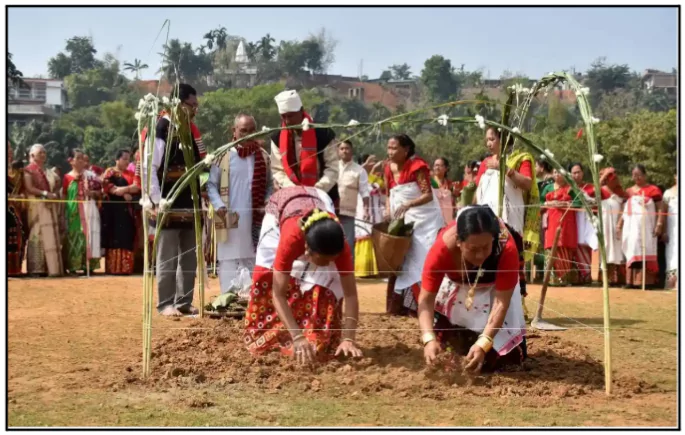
column 188, row 311
column 170, row 312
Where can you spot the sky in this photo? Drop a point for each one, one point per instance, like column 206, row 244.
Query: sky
column 529, row 40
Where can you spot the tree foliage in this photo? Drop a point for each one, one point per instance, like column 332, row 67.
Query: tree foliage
column 636, row 125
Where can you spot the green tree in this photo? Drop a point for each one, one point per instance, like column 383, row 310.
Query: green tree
column 401, row 72
column 439, row 79
column 136, row 67
column 80, row 58
column 59, row 66
column 181, row 63
column 265, row 48
column 386, row 76
column 13, row 73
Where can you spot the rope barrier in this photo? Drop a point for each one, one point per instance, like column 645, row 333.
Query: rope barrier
column 255, row 208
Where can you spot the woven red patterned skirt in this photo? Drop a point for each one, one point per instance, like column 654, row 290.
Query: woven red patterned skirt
column 317, row 312
column 119, row 262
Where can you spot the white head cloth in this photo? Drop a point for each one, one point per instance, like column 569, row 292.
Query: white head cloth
column 288, row 101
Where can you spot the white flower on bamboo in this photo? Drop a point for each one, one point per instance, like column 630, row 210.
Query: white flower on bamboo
column 138, row 116
column 164, row 205
column 353, row 122
column 549, row 153
column 583, row 91
column 141, row 103
column 209, row 158
column 543, row 157
column 563, row 172
column 525, row 91
column 597, row 158
column 175, row 101
column 150, row 97
column 595, row 222
column 516, row 130
column 265, row 128
column 481, row 121
column 305, row 124
column 442, row 120
column 165, row 100
column 146, row 203
column 595, row 120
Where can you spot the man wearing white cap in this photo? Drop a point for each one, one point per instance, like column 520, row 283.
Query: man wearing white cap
column 303, row 157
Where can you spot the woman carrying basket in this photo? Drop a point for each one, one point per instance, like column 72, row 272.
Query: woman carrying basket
column 470, row 286
column 303, row 276
column 407, row 178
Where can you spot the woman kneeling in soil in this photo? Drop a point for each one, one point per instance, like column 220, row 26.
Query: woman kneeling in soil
column 485, row 300
column 303, row 269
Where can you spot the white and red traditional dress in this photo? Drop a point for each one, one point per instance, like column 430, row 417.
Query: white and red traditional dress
column 314, row 293
column 453, row 321
column 412, row 182
column 639, row 221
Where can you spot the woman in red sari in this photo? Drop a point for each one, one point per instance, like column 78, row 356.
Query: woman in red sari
column 471, row 286
column 303, row 276
column 411, row 197
column 558, row 200
column 16, row 238
column 639, row 228
column 118, row 216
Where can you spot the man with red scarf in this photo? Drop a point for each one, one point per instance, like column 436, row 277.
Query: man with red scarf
column 176, row 255
column 238, row 188
column 303, row 157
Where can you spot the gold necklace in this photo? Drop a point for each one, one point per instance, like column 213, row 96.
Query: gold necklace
column 468, row 303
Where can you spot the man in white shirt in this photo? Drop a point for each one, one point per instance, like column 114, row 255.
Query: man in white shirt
column 238, row 188
column 303, row 157
column 353, row 183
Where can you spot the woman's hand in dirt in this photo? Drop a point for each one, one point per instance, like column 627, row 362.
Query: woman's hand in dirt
column 348, row 348
column 474, row 360
column 431, row 351
column 303, row 351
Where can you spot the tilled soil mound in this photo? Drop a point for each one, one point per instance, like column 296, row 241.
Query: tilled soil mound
column 212, row 352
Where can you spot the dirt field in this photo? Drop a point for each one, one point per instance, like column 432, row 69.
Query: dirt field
column 74, row 348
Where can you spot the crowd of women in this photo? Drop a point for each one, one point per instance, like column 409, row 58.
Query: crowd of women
column 66, row 225
column 463, row 276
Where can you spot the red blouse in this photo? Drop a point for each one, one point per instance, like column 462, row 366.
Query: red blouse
column 568, row 238
column 414, row 170
column 291, row 246
column 649, row 191
column 440, row 262
column 525, row 169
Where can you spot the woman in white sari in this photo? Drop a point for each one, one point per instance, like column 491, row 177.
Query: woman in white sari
column 639, row 229
column 671, row 236
column 613, row 197
column 407, row 178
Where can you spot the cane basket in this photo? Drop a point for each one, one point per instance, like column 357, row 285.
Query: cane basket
column 390, row 250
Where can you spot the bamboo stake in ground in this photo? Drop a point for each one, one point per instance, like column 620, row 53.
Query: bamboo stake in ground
column 537, row 322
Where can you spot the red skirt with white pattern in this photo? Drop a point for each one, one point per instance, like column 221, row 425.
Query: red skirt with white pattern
column 317, row 312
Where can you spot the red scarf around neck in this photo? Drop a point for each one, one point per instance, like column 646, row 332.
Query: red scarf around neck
column 308, row 162
column 258, row 185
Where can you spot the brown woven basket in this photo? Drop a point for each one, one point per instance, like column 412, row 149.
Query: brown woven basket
column 390, row 250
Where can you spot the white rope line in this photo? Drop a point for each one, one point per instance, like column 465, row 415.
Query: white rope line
column 203, row 210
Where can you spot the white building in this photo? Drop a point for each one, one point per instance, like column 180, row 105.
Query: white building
column 41, row 100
